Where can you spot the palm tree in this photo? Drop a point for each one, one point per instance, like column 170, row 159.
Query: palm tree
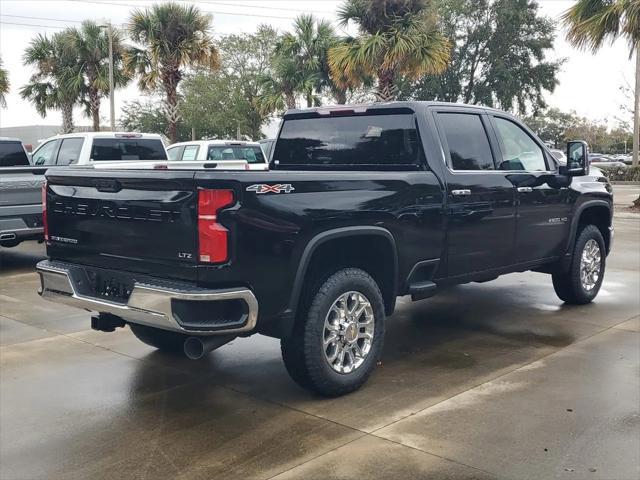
column 308, row 46
column 51, row 86
column 591, row 23
column 280, row 86
column 397, row 38
column 4, row 85
column 90, row 45
column 174, row 37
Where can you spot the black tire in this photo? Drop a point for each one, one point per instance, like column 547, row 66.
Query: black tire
column 303, row 354
column 163, row 340
column 568, row 285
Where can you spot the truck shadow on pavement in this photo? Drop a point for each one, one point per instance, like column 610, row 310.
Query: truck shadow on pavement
column 21, row 259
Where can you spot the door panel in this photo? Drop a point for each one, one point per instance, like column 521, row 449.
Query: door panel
column 544, row 218
column 481, row 201
column 544, row 211
column 481, row 223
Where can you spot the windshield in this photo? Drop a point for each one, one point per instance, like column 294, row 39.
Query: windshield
column 252, row 153
column 106, row 149
column 12, row 154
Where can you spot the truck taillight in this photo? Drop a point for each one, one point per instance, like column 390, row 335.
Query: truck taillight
column 212, row 236
column 45, row 222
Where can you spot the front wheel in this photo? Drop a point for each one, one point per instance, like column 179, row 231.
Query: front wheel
column 581, row 284
column 339, row 337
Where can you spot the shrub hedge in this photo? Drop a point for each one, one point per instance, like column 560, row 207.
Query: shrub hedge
column 629, row 174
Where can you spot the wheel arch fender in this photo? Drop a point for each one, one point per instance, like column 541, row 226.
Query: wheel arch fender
column 341, row 233
column 575, row 222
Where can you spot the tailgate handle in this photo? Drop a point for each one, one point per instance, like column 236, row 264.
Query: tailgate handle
column 107, row 185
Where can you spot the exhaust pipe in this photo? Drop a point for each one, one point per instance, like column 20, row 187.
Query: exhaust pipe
column 7, row 236
column 197, row 347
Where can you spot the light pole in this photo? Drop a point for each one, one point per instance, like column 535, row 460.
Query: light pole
column 112, row 111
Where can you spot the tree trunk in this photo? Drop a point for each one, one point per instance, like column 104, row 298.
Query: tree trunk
column 94, row 106
column 387, row 88
column 340, row 96
column 309, row 99
column 290, row 100
column 170, row 80
column 67, row 118
column 636, row 112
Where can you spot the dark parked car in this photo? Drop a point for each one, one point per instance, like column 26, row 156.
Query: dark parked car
column 13, row 153
column 362, row 204
column 20, row 195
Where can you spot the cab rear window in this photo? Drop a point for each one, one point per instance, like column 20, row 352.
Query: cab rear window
column 381, row 140
column 108, row 149
column 12, row 154
column 252, row 154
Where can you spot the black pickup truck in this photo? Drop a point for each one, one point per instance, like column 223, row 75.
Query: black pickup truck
column 362, row 204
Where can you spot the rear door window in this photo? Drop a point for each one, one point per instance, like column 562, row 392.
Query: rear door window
column 359, row 140
column 109, row 149
column 190, row 153
column 175, row 153
column 69, row 151
column 467, row 139
column 47, row 153
column 12, row 154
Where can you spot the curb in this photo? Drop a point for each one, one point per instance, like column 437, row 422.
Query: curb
column 624, row 182
column 627, row 215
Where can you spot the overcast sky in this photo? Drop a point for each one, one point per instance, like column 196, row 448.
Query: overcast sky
column 589, row 84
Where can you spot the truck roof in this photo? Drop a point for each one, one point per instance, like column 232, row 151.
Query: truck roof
column 216, row 142
column 108, row 135
column 362, row 107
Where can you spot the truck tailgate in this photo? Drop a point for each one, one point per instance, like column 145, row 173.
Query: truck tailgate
column 140, row 221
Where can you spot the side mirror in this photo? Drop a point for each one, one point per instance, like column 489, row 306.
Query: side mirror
column 577, row 159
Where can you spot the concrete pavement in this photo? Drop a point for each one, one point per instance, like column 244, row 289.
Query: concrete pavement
column 493, row 380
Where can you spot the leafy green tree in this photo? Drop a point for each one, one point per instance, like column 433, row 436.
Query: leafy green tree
column 90, row 44
column 4, row 85
column 552, row 125
column 397, row 38
column 498, row 56
column 174, row 37
column 592, row 23
column 51, row 86
column 225, row 103
column 148, row 116
column 215, row 106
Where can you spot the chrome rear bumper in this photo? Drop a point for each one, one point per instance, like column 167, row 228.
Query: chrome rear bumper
column 147, row 304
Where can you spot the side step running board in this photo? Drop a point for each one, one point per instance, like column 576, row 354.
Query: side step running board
column 421, row 290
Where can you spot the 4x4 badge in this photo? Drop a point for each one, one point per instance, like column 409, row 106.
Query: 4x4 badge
column 264, row 188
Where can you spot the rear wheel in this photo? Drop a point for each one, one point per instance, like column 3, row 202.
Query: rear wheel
column 163, row 340
column 582, row 282
column 339, row 337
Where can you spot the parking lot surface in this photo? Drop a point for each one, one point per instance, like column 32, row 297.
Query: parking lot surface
column 493, row 380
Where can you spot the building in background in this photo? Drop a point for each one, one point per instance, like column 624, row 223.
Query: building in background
column 33, row 135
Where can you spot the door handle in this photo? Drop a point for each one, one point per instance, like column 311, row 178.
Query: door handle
column 460, row 193
column 525, row 189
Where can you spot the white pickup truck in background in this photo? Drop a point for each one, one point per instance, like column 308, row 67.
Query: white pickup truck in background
column 225, row 154
column 86, row 148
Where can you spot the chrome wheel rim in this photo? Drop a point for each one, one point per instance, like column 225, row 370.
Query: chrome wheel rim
column 590, row 265
column 348, row 332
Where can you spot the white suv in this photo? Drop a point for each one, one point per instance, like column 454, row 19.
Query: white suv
column 226, row 154
column 85, row 148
